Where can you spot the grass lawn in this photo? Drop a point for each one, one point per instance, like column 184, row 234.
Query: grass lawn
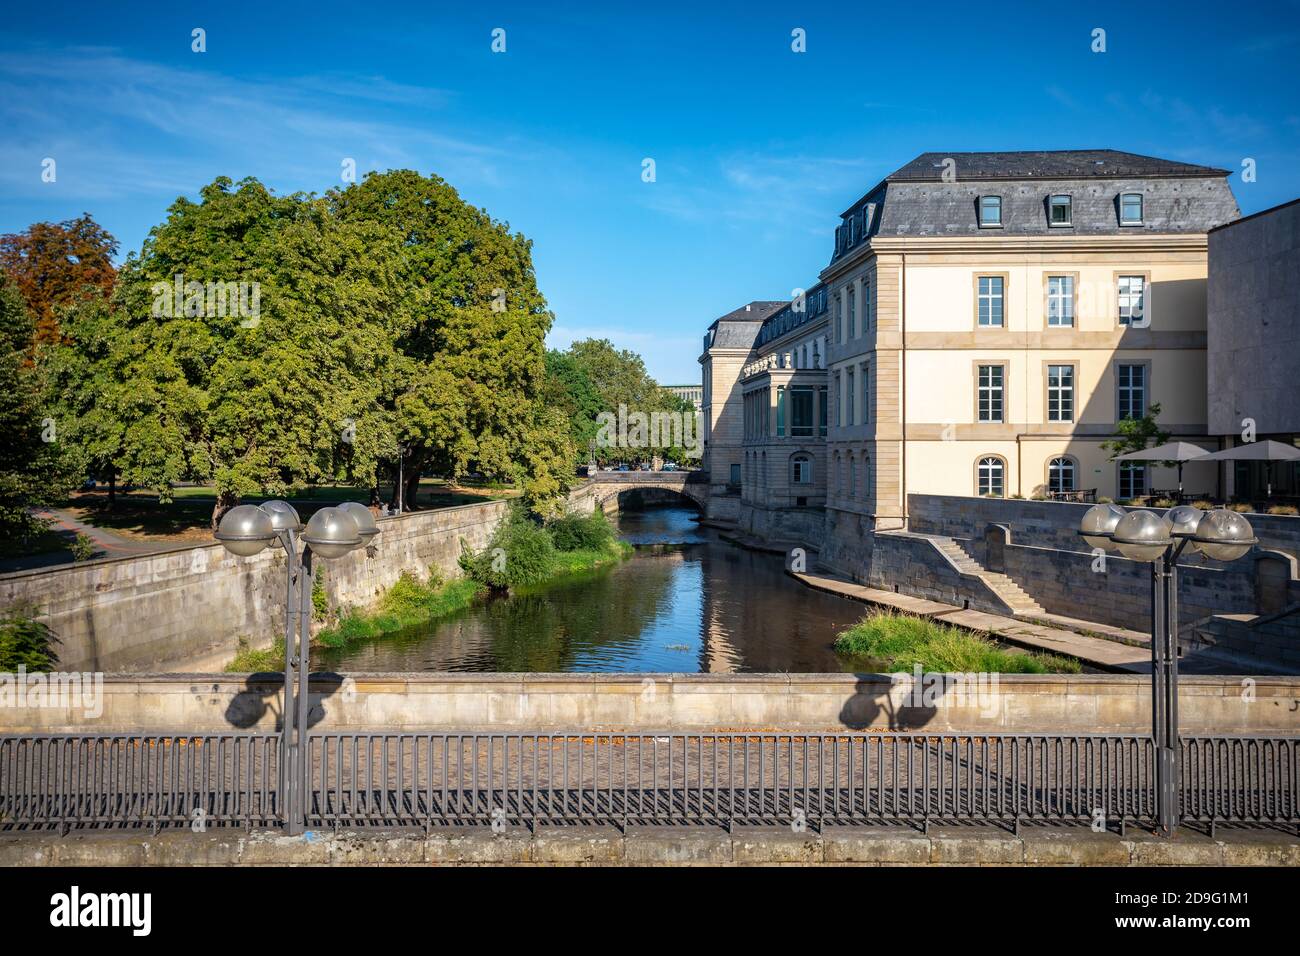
column 901, row 642
column 139, row 514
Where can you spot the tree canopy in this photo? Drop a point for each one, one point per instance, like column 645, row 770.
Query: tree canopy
column 52, row 264
column 261, row 342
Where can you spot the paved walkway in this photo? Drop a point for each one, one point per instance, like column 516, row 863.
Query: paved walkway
column 1105, row 653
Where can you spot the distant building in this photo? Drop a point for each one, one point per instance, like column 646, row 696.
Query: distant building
column 1253, row 328
column 728, row 345
column 691, row 393
column 985, row 321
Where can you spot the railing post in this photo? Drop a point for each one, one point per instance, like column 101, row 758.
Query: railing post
column 1164, row 692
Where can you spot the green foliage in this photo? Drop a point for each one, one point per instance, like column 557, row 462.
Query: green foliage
column 902, row 642
column 524, row 554
column 251, row 661
column 568, row 389
column 1138, row 434
column 83, row 547
column 390, row 314
column 320, row 601
column 519, row 553
column 34, row 471
column 591, row 532
column 26, row 641
column 407, row 603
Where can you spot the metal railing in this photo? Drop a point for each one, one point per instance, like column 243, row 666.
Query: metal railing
column 426, row 780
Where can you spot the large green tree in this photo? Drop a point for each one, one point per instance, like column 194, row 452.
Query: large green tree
column 259, row 395
column 468, row 327
column 36, row 466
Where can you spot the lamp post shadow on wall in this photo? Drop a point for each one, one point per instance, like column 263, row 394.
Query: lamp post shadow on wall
column 1159, row 540
column 330, row 533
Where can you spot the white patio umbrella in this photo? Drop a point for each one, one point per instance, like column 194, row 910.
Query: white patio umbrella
column 1179, row 451
column 1267, row 451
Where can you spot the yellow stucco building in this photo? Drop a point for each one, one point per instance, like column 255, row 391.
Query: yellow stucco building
column 985, row 322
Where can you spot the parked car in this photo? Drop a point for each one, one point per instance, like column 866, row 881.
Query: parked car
column 622, row 468
column 669, row 466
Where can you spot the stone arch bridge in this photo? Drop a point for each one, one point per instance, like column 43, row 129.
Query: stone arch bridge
column 602, row 486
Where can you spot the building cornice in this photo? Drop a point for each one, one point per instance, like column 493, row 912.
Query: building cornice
column 992, row 244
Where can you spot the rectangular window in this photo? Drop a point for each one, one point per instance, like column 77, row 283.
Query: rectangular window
column 1132, row 398
column 1132, row 301
column 991, row 306
column 868, row 308
column 990, row 393
column 839, row 399
column 735, row 474
column 990, row 211
column 1132, row 479
column 1060, row 393
column 1060, row 301
column 851, row 397
column 780, row 411
column 853, row 316
column 1059, row 207
column 866, row 394
column 822, row 411
column 1130, row 209
column 801, row 412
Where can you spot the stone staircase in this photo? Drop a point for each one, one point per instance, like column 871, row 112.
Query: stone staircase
column 1007, row 591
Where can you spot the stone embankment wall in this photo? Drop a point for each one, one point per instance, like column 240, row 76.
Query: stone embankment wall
column 187, row 609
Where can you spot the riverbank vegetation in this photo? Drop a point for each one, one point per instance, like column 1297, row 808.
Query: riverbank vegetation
column 26, row 641
column 525, row 553
column 902, row 643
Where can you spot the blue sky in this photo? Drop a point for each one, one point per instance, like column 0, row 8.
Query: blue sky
column 757, row 148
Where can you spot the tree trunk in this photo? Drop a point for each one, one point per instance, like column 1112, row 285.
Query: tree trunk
column 112, row 486
column 225, row 501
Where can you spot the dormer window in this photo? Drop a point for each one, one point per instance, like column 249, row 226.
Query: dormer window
column 990, row 212
column 1130, row 209
column 853, row 229
column 1059, row 213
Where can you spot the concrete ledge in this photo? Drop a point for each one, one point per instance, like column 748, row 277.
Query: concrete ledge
column 654, row 846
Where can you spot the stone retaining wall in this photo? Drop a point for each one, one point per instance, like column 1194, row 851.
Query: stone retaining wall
column 656, row 846
column 525, row 703
column 187, row 608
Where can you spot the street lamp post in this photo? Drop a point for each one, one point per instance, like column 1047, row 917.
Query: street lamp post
column 331, row 533
column 1159, row 541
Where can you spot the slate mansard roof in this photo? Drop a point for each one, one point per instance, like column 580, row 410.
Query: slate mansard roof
column 739, row 327
column 916, row 200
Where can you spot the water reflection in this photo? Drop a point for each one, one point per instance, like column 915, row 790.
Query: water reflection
column 685, row 602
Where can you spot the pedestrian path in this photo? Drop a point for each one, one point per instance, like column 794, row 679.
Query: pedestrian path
column 1101, row 652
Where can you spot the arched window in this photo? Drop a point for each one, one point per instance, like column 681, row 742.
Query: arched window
column 801, row 470
column 866, row 476
column 853, row 476
column 1061, row 473
column 990, row 477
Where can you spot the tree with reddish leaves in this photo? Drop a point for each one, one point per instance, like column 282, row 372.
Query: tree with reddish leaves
column 54, row 265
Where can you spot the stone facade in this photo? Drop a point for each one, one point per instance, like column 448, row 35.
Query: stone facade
column 958, row 355
column 187, row 608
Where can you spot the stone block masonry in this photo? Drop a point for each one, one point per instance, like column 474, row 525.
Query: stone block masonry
column 187, row 609
column 656, row 846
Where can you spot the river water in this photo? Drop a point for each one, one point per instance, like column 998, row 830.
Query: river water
column 686, row 602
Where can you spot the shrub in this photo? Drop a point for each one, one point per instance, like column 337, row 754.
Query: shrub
column 26, row 641
column 1283, row 510
column 1203, row 505
column 1103, row 500
column 82, row 547
column 1165, row 502
column 591, row 532
column 1241, row 507
column 519, row 553
column 902, row 642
